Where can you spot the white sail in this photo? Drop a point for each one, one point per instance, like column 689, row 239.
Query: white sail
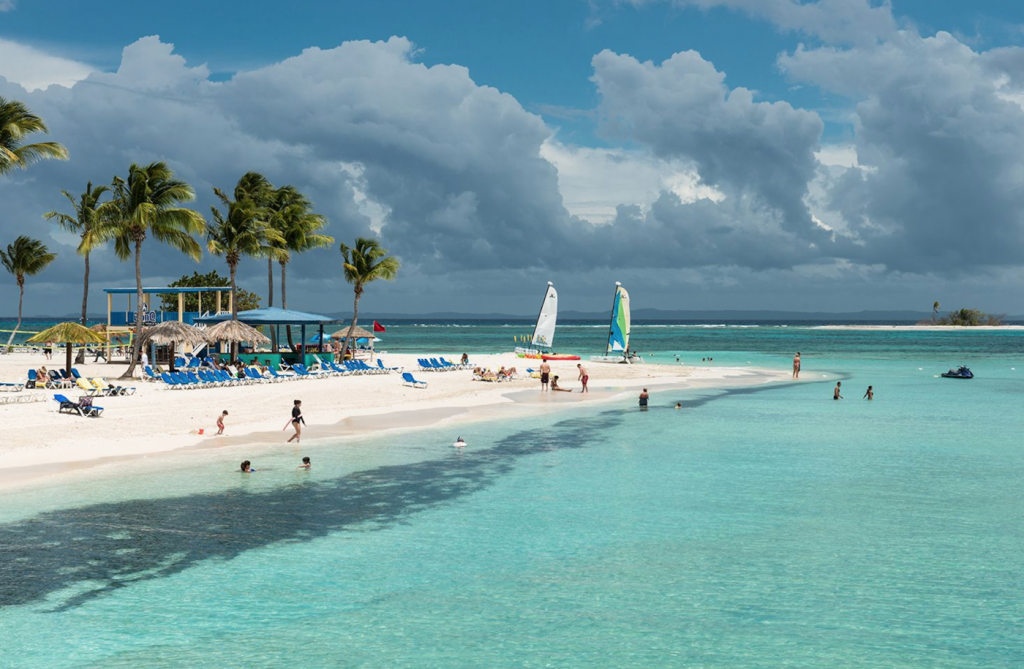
column 544, row 333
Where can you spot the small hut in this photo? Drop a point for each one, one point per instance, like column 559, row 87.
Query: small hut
column 173, row 333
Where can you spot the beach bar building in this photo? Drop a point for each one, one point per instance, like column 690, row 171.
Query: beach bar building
column 212, row 300
column 273, row 317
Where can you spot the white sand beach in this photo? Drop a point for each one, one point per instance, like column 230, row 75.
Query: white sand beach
column 38, row 441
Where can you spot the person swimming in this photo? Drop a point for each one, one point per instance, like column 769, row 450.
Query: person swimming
column 459, row 443
column 247, row 467
column 306, row 464
column 679, row 405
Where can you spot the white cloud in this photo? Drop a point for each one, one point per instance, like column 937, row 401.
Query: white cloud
column 6, row 5
column 34, row 69
column 837, row 155
column 595, row 181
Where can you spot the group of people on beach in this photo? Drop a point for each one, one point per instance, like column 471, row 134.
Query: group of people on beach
column 549, row 382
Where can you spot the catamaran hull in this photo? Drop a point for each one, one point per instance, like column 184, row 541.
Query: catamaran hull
column 616, row 359
column 556, row 356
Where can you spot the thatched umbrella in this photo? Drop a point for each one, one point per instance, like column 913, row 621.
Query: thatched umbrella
column 235, row 332
column 174, row 332
column 357, row 333
column 67, row 334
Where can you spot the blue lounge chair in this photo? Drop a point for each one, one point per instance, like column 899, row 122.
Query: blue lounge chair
column 380, row 363
column 149, row 374
column 254, row 375
column 67, row 406
column 194, row 363
column 408, row 380
column 225, row 378
column 280, row 377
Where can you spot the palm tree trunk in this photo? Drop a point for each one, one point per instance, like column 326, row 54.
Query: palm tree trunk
column 137, row 344
column 270, row 301
column 234, row 307
column 351, row 328
column 21, row 298
column 80, row 357
column 284, row 303
column 85, row 290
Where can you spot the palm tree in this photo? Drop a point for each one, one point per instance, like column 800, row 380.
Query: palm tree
column 365, row 262
column 256, row 190
column 17, row 123
column 300, row 230
column 935, row 311
column 241, row 232
column 25, row 257
column 144, row 204
column 85, row 223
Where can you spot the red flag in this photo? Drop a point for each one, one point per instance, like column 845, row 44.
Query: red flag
column 377, row 327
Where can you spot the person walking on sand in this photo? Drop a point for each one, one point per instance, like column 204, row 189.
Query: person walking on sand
column 296, row 421
column 835, row 393
column 220, row 422
column 869, row 394
column 644, row 396
column 796, row 365
column 545, row 375
column 584, row 377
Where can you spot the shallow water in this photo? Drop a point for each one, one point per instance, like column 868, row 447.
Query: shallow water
column 761, row 527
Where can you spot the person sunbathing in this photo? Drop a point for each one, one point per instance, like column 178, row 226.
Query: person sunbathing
column 554, row 386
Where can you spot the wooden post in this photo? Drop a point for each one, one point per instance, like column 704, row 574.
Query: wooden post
column 181, row 307
column 218, row 301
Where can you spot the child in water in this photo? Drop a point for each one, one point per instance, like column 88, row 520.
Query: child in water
column 306, row 464
column 247, row 467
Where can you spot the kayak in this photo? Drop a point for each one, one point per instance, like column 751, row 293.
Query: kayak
column 558, row 356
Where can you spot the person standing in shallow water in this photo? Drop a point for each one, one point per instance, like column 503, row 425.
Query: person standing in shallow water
column 297, row 421
column 644, row 396
column 869, row 394
column 835, row 393
column 584, row 377
column 796, row 365
column 545, row 375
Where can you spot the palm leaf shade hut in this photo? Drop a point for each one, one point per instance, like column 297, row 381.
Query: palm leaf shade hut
column 235, row 332
column 357, row 333
column 67, row 334
column 174, row 332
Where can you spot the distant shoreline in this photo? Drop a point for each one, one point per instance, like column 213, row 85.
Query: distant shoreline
column 921, row 328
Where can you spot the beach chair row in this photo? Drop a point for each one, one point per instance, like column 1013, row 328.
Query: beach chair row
column 438, row 365
column 352, row 367
column 21, row 398
column 63, row 380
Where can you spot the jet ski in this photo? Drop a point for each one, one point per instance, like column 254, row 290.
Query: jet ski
column 961, row 373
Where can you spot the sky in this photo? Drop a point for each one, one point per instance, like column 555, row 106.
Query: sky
column 816, row 155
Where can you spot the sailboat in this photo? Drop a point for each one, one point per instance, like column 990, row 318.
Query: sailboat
column 617, row 348
column 544, row 332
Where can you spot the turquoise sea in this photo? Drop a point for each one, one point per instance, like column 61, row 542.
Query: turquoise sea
column 761, row 527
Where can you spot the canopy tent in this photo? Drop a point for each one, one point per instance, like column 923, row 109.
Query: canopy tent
column 67, row 334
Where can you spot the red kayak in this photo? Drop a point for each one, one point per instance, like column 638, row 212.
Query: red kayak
column 556, row 356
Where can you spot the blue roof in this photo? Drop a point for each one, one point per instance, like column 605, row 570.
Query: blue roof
column 272, row 316
column 168, row 289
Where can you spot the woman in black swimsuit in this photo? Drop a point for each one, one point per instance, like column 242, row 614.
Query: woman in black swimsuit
column 297, row 422
column 643, row 400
